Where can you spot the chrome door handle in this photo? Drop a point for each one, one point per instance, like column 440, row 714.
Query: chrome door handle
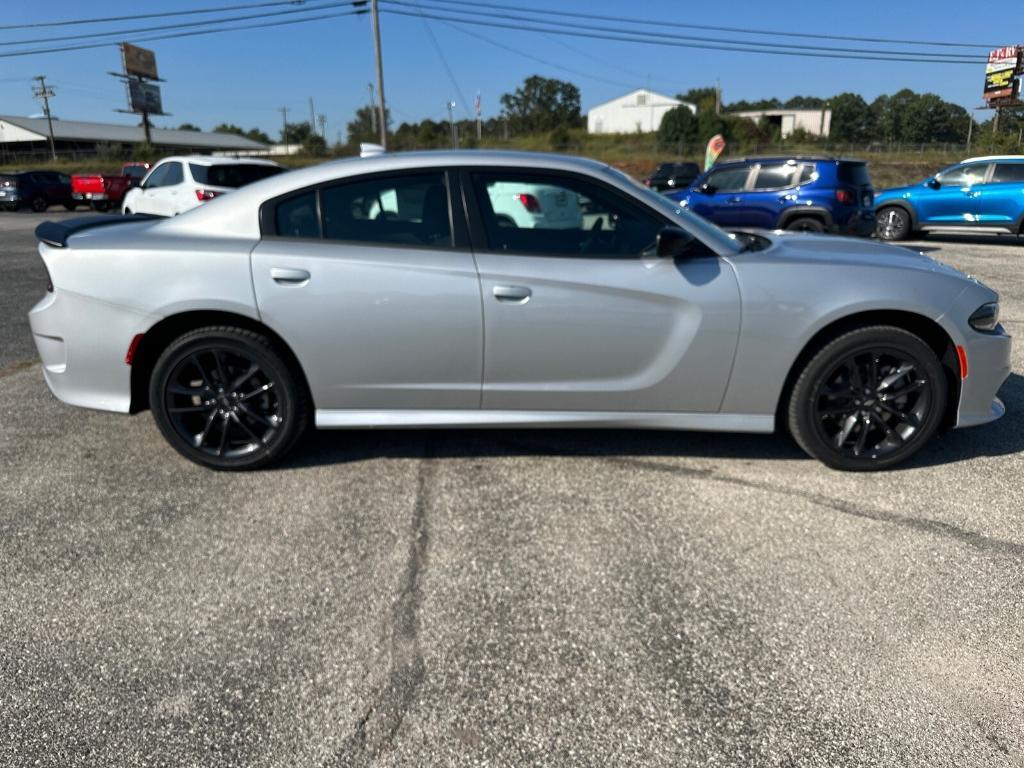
column 287, row 276
column 513, row 294
column 735, row 199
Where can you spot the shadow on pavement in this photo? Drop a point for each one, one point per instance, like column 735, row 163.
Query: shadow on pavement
column 1004, row 437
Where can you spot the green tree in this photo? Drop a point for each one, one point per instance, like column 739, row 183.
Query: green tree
column 257, row 135
column 805, row 102
column 363, row 127
column 542, row 104
column 295, row 133
column 852, row 120
column 929, row 118
column 229, row 128
column 189, row 127
column 704, row 99
column 678, row 126
column 314, row 145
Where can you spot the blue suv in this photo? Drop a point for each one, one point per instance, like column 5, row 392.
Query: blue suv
column 983, row 193
column 807, row 194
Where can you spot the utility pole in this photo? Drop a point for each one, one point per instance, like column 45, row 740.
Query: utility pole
column 322, row 119
column 284, row 126
column 312, row 116
column 45, row 93
column 451, row 124
column 383, row 121
column 373, row 109
column 970, row 130
column 718, row 96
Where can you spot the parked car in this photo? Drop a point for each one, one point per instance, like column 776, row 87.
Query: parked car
column 534, row 206
column 104, row 191
column 672, row 176
column 806, row 194
column 37, row 190
column 178, row 184
column 294, row 302
column 985, row 194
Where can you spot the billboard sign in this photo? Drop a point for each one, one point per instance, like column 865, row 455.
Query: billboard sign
column 144, row 97
column 1000, row 72
column 140, row 62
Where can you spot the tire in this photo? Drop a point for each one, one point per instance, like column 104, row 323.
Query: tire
column 226, row 398
column 855, row 406
column 70, row 206
column 100, row 206
column 126, row 212
column 40, row 204
column 10, row 207
column 892, row 223
column 805, row 224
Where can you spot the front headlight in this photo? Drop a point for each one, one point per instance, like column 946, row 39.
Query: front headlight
column 985, row 317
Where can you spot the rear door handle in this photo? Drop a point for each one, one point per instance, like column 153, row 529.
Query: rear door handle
column 513, row 294
column 288, row 276
column 735, row 199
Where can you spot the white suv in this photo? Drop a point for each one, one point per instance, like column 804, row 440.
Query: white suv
column 178, row 184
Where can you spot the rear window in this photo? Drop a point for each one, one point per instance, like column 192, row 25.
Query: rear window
column 854, row 173
column 232, row 176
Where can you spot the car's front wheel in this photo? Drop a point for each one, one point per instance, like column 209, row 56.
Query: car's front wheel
column 226, row 398
column 869, row 399
column 892, row 223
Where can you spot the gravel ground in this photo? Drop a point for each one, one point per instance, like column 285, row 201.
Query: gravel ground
column 561, row 598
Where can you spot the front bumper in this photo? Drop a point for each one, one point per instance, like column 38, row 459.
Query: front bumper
column 988, row 366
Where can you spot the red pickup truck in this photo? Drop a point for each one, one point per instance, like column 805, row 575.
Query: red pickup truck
column 104, row 192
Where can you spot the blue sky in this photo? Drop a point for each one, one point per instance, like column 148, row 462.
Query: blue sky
column 244, row 77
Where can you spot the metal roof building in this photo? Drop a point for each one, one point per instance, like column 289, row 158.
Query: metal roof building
column 23, row 136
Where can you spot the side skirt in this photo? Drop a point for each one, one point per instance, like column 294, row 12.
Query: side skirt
column 416, row 419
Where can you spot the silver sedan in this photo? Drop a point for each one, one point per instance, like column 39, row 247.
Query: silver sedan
column 397, row 291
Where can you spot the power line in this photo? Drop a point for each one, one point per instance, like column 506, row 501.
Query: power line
column 121, row 33
column 671, row 43
column 444, row 63
column 162, row 14
column 747, row 31
column 194, row 33
column 826, row 51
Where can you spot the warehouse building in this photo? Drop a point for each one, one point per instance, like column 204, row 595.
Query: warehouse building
column 28, row 137
column 639, row 111
column 816, row 122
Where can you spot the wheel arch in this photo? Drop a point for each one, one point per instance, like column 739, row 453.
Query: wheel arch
column 805, row 212
column 902, row 204
column 156, row 339
column 927, row 329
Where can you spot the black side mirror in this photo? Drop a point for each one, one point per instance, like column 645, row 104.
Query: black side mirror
column 673, row 242
column 934, row 183
column 707, row 189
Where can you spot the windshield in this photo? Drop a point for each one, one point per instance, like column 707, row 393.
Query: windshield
column 224, row 175
column 704, row 230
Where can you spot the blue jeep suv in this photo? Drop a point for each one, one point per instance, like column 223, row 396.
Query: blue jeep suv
column 983, row 193
column 808, row 194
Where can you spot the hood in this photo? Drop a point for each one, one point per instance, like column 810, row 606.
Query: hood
column 827, row 249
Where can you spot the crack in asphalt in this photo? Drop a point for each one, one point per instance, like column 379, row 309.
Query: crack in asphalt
column 376, row 729
column 16, row 367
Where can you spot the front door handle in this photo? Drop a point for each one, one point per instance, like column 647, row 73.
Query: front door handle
column 288, row 276
column 735, row 200
column 512, row 294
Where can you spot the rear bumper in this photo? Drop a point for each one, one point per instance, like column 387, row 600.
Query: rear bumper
column 90, row 196
column 858, row 224
column 988, row 366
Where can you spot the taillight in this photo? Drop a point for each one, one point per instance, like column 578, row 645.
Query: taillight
column 844, row 196
column 530, row 203
column 205, row 194
column 647, row 182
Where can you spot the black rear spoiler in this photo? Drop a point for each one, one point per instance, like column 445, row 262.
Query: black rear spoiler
column 56, row 233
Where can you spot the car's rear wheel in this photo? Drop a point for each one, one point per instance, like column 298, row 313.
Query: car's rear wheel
column 868, row 399
column 892, row 223
column 40, row 204
column 100, row 206
column 805, row 224
column 226, row 398
column 70, row 206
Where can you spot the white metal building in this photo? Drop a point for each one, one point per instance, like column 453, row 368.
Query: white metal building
column 817, row 122
column 639, row 111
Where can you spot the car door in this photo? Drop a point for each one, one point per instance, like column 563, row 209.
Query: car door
column 171, row 198
column 769, row 193
column 587, row 318
column 951, row 198
column 721, row 195
column 376, row 292
column 148, row 198
column 1001, row 199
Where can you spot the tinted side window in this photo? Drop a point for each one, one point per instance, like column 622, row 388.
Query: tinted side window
column 729, row 179
column 775, row 176
column 856, row 173
column 545, row 215
column 297, row 217
column 401, row 210
column 1008, row 172
column 156, row 178
column 174, row 175
column 808, row 173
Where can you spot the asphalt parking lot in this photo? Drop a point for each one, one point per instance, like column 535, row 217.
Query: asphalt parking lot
column 558, row 598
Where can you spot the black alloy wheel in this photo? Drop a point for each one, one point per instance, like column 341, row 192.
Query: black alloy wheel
column 869, row 400
column 225, row 398
column 805, row 224
column 892, row 223
column 40, row 204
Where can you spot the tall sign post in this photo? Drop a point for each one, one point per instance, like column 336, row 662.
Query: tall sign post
column 140, row 78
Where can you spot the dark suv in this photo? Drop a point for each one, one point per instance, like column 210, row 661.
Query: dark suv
column 672, row 176
column 38, row 189
column 808, row 194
